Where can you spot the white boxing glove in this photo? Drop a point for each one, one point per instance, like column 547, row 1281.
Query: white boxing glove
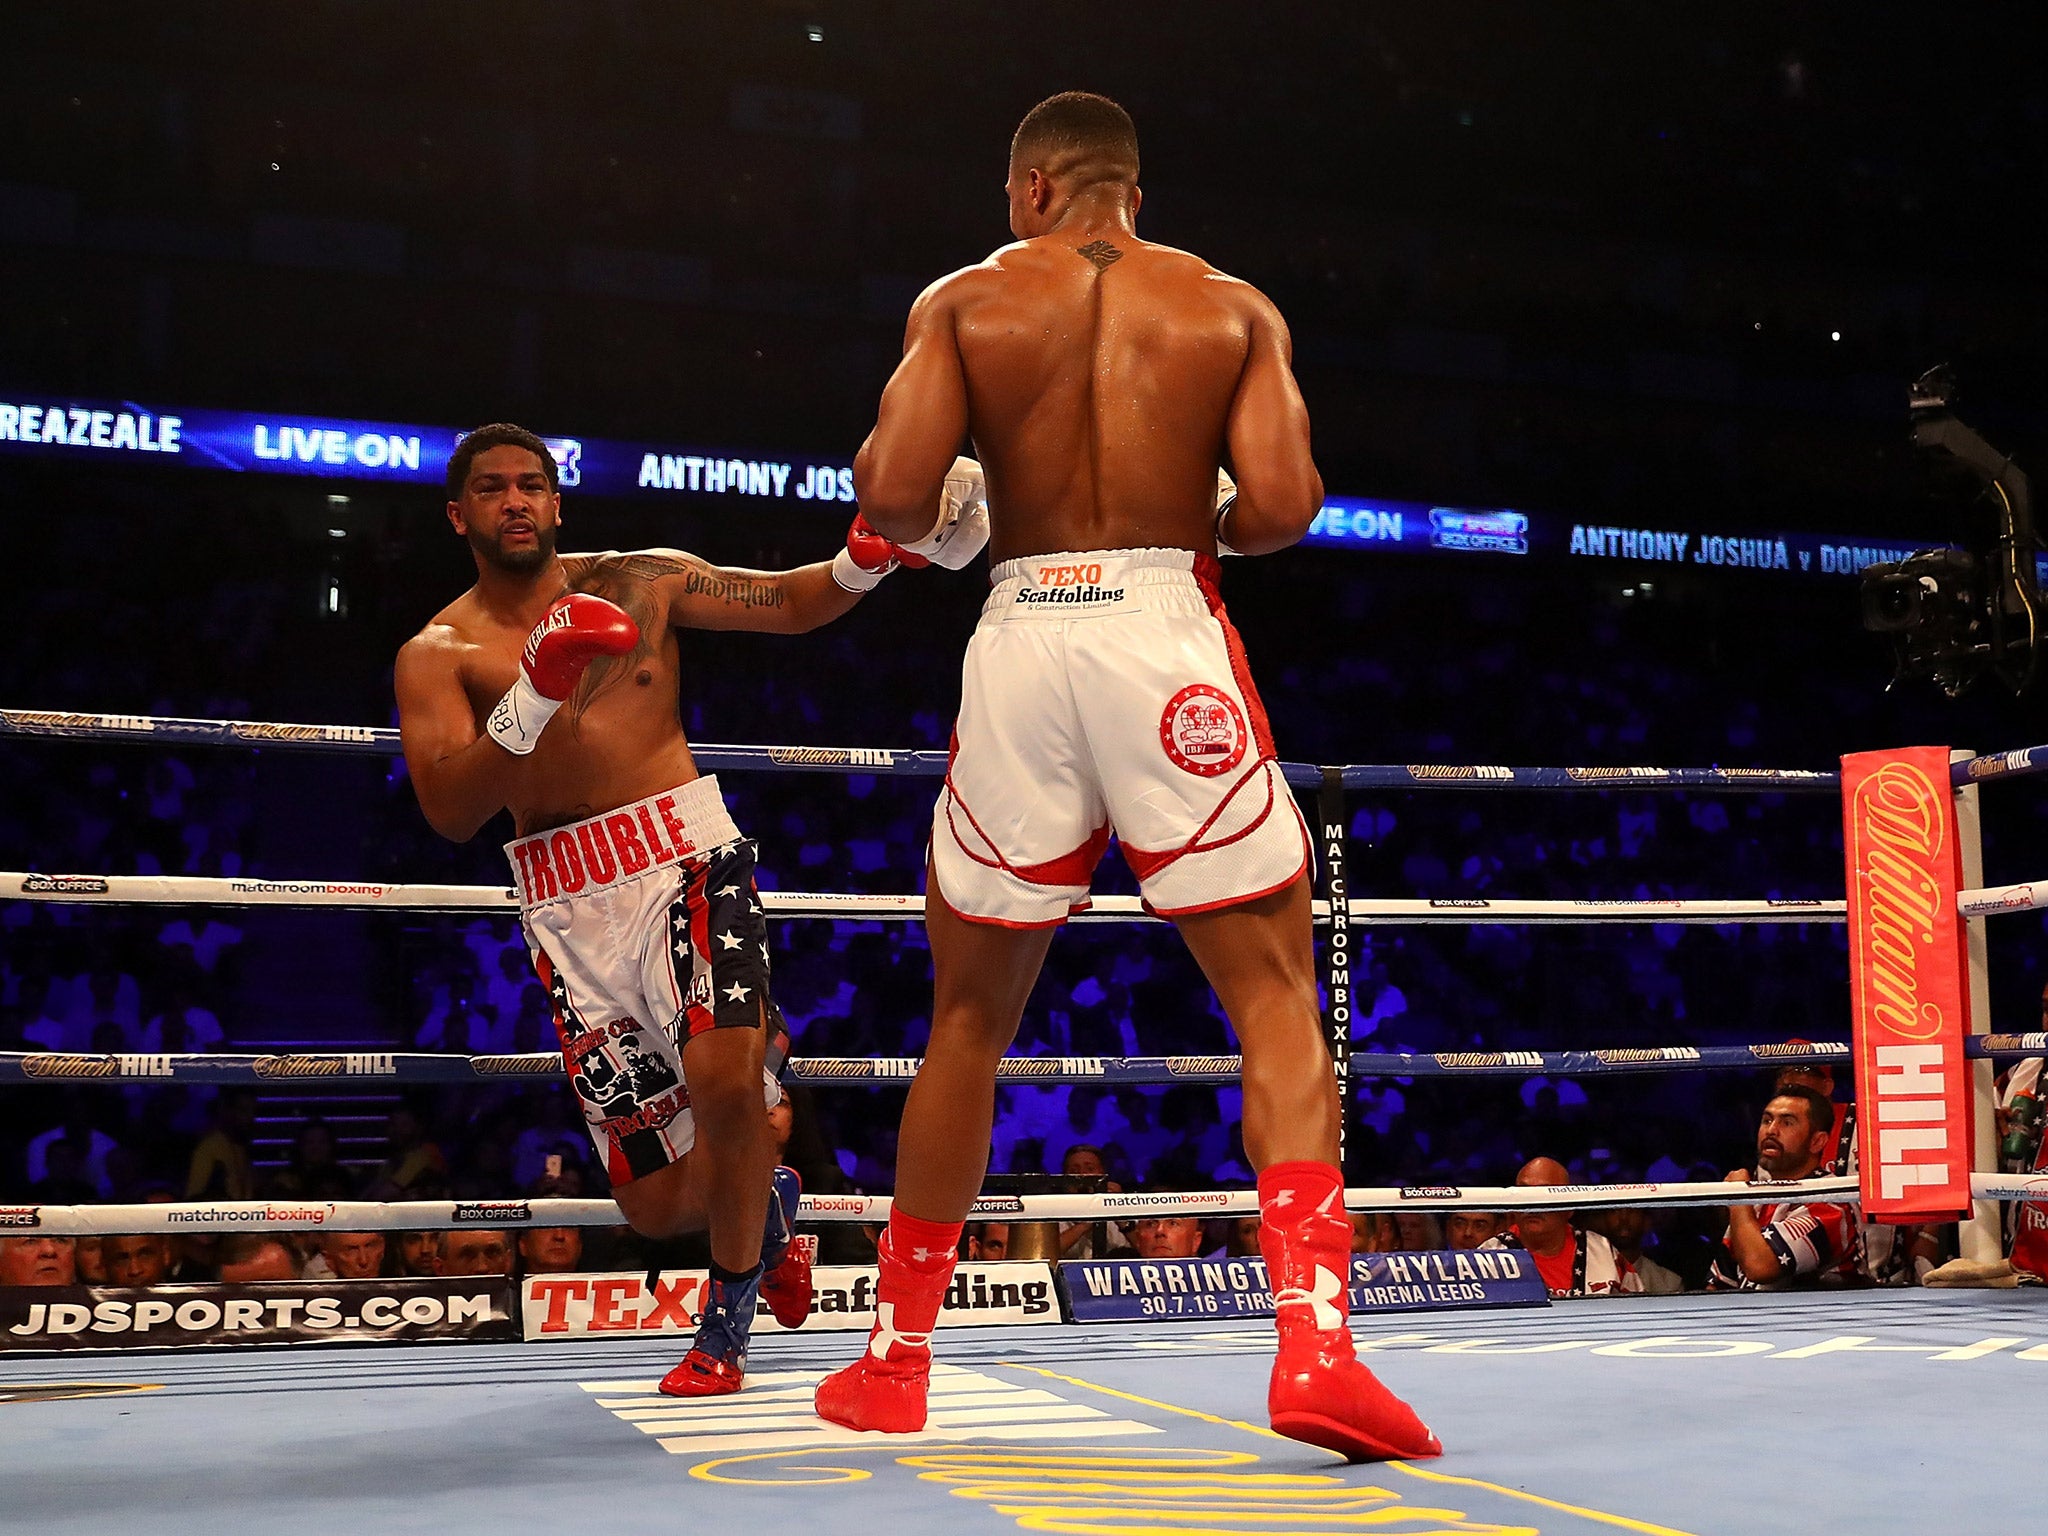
column 1226, row 498
column 961, row 532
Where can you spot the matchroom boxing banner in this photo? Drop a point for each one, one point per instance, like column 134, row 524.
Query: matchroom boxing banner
column 1906, row 984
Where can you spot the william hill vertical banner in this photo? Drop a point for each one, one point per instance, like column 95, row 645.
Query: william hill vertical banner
column 1906, row 984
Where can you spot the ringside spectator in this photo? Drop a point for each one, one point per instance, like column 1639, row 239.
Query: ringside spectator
column 136, row 1260
column 1167, row 1237
column 473, row 1253
column 40, row 1260
column 251, row 1257
column 347, row 1256
column 1627, row 1227
column 550, row 1250
column 1465, row 1230
column 1572, row 1261
column 419, row 1253
column 1790, row 1242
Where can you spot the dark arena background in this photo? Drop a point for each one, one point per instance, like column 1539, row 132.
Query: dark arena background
column 1607, row 318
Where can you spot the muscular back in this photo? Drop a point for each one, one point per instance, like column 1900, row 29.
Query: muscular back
column 1099, row 384
column 1102, row 379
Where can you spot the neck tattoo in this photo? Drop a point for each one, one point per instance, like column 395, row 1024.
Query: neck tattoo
column 1100, row 252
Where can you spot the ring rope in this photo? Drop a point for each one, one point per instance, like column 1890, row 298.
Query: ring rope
column 412, row 1068
column 719, row 758
column 419, row 1215
column 370, row 895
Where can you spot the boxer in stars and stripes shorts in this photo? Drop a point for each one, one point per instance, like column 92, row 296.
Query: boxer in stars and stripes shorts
column 646, row 929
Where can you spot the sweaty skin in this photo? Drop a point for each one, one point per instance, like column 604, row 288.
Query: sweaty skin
column 618, row 739
column 1103, row 380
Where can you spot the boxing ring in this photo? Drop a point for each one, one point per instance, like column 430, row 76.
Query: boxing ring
column 1649, row 1414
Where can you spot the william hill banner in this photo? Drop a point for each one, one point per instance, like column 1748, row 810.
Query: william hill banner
column 1906, row 984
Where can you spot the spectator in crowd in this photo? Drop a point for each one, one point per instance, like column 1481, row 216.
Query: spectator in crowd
column 63, row 1181
column 550, row 1250
column 90, row 1262
column 1465, row 1230
column 1573, row 1262
column 1083, row 1172
column 43, row 1028
column 136, row 1260
column 221, row 1168
column 1242, row 1241
column 312, row 1170
column 347, row 1256
column 414, row 1160
column 183, row 1025
column 989, row 1242
column 1839, row 1155
column 419, row 1253
column 552, row 1131
column 248, row 1258
column 38, row 1260
column 1417, row 1232
column 1790, row 1242
column 91, row 1147
column 1627, row 1228
column 1167, row 1237
column 474, row 1253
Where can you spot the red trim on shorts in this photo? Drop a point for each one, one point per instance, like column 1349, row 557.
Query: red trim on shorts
column 1208, row 575
column 1071, row 868
column 697, row 902
column 932, row 891
column 1231, row 901
column 1074, row 868
column 1144, row 862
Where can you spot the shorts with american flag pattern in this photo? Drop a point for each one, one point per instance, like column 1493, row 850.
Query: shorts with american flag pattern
column 646, row 928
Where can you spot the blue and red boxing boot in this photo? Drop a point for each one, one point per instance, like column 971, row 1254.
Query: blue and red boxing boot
column 785, row 1257
column 717, row 1361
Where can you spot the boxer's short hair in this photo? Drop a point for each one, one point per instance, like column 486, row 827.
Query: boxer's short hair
column 1078, row 123
column 498, row 434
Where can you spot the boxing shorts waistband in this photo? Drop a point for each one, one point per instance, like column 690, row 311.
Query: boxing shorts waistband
column 607, row 851
column 1078, row 584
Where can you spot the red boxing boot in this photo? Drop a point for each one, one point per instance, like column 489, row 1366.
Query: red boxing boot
column 1320, row 1393
column 885, row 1388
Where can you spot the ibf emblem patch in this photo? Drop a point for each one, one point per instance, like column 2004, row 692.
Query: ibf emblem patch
column 1203, row 730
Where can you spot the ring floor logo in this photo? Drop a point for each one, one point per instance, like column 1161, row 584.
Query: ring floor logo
column 965, row 1405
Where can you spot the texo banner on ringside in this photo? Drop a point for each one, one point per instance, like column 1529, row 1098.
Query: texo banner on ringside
column 1906, row 984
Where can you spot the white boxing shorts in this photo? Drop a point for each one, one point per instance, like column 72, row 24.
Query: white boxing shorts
column 1107, row 690
column 646, row 929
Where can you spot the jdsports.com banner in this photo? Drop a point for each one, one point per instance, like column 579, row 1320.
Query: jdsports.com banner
column 283, row 1312
column 581, row 1306
column 1906, row 984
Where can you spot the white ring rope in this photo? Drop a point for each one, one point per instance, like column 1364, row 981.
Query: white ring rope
column 369, row 895
column 420, row 1215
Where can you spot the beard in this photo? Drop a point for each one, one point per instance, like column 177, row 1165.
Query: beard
column 514, row 562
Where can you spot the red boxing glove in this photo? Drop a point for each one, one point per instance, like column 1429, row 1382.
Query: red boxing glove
column 868, row 557
column 573, row 634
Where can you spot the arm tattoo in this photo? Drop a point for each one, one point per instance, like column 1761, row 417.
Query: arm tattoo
column 1101, row 253
column 738, row 592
